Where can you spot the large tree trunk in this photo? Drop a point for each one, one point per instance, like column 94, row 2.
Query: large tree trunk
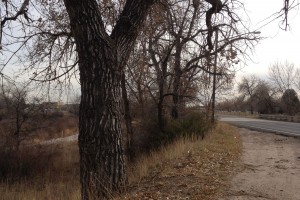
column 102, row 168
column 101, row 61
column 127, row 117
column 101, row 153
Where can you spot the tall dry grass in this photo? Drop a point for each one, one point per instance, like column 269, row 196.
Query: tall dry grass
column 144, row 164
column 213, row 160
column 219, row 139
column 45, row 172
column 55, row 176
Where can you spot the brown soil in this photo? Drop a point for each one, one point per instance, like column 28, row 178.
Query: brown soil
column 271, row 168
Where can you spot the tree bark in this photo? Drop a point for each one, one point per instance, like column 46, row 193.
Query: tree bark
column 101, row 61
column 160, row 113
column 101, row 152
column 127, row 117
column 177, row 80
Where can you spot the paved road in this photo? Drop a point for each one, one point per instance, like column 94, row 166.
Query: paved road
column 284, row 128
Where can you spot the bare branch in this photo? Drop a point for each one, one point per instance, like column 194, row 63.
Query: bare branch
column 217, row 6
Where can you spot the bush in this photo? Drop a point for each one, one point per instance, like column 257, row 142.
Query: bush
column 54, row 114
column 148, row 137
column 36, row 161
column 193, row 124
column 19, row 164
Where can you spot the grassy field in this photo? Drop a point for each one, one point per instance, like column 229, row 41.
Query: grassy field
column 198, row 169
column 38, row 128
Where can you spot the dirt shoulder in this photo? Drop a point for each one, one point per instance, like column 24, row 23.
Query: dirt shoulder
column 270, row 168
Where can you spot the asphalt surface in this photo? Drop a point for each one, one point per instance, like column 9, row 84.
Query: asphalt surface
column 279, row 127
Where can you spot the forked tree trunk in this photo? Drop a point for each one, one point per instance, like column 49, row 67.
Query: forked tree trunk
column 101, row 152
column 102, row 165
column 101, row 61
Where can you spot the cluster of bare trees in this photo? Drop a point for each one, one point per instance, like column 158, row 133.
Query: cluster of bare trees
column 147, row 52
column 285, row 78
column 172, row 64
column 17, row 107
column 277, row 94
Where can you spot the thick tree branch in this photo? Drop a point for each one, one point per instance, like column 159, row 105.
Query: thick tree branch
column 217, row 6
column 129, row 24
column 205, row 70
column 21, row 11
column 190, row 64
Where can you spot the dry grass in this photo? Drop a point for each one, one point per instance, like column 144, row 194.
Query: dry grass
column 145, row 164
column 193, row 169
column 198, row 169
column 53, row 174
column 37, row 190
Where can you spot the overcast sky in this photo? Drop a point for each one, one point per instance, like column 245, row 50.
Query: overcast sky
column 279, row 45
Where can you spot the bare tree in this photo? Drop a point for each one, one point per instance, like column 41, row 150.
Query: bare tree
column 287, row 6
column 256, row 93
column 283, row 75
column 247, row 87
column 102, row 58
column 236, row 103
column 15, row 105
column 290, row 102
column 18, row 108
column 223, row 85
column 297, row 81
column 102, row 51
column 263, row 98
column 192, row 40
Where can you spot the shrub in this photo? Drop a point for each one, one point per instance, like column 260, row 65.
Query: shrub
column 35, row 161
column 193, row 124
column 19, row 164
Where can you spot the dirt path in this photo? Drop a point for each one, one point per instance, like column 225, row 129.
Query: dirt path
column 70, row 138
column 271, row 166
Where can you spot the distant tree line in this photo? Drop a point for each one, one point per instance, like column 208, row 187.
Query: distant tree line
column 276, row 95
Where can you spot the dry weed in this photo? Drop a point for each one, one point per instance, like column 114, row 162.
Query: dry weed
column 54, row 174
column 187, row 169
column 194, row 169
